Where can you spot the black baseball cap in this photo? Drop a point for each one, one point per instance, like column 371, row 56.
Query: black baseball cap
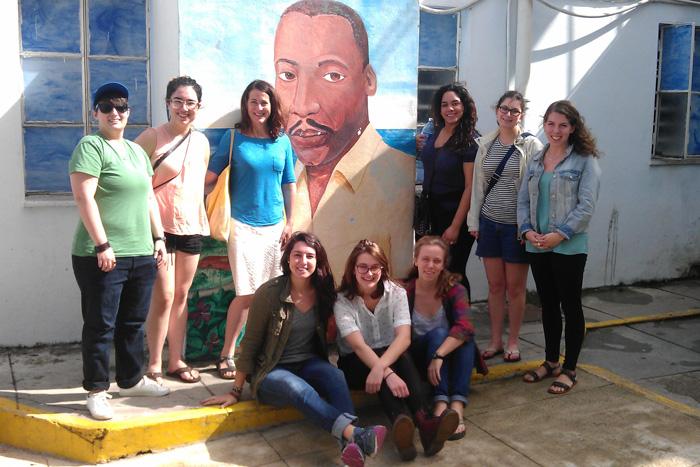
column 113, row 88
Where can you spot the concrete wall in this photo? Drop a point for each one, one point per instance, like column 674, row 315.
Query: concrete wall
column 647, row 222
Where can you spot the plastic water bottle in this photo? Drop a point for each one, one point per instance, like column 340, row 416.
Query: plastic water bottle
column 428, row 128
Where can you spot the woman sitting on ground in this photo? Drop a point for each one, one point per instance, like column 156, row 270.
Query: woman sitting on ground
column 375, row 329
column 443, row 337
column 284, row 354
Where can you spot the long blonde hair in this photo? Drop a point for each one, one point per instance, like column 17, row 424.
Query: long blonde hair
column 446, row 279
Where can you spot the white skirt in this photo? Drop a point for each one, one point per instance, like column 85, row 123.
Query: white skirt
column 254, row 255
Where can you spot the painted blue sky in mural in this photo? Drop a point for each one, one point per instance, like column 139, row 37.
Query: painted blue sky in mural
column 50, row 26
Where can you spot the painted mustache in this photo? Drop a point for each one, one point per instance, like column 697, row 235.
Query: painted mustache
column 310, row 123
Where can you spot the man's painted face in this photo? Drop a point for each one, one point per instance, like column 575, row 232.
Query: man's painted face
column 323, row 85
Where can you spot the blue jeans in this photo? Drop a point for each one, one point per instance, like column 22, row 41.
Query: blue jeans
column 456, row 370
column 315, row 388
column 114, row 306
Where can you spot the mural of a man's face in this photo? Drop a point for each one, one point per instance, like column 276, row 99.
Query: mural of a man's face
column 323, row 85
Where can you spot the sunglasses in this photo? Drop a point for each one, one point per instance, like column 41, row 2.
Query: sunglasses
column 107, row 107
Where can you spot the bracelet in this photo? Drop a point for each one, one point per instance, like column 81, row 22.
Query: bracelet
column 391, row 373
column 155, row 239
column 237, row 391
column 103, row 247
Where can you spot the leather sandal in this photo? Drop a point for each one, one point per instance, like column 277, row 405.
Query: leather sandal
column 490, row 353
column 229, row 372
column 154, row 375
column 180, row 374
column 561, row 385
column 552, row 370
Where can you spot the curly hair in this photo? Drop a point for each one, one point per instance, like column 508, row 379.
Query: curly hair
column 348, row 285
column 274, row 122
column 581, row 139
column 321, row 279
column 180, row 81
column 446, row 279
column 463, row 135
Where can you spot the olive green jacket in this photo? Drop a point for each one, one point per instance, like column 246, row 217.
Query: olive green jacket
column 267, row 331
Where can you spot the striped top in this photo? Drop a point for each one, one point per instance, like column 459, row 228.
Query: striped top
column 501, row 203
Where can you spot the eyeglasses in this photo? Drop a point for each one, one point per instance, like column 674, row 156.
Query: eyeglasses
column 178, row 103
column 107, row 107
column 509, row 110
column 364, row 269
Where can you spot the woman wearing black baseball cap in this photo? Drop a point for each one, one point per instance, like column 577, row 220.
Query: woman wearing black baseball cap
column 116, row 249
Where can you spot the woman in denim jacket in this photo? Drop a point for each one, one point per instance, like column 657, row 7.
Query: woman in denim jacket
column 555, row 203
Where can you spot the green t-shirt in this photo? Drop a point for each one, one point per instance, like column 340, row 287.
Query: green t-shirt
column 122, row 195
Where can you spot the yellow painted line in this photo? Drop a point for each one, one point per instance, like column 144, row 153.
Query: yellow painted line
column 644, row 318
column 634, row 387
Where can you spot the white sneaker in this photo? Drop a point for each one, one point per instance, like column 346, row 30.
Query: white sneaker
column 145, row 387
column 98, row 405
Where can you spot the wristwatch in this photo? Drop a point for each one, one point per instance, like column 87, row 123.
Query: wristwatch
column 437, row 356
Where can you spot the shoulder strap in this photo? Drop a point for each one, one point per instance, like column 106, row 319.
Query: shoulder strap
column 499, row 170
column 171, row 150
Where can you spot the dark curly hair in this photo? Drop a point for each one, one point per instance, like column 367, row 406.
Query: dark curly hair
column 180, row 81
column 582, row 140
column 274, row 122
column 321, row 279
column 463, row 135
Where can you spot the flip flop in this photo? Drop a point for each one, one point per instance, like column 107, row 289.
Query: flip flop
column 458, row 434
column 511, row 356
column 154, row 375
column 490, row 353
column 178, row 374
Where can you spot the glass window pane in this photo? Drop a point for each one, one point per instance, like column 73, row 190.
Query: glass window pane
column 132, row 74
column 430, row 81
column 696, row 62
column 438, row 40
column 670, row 124
column 50, row 25
column 675, row 57
column 46, row 155
column 694, row 126
column 52, row 89
column 118, row 27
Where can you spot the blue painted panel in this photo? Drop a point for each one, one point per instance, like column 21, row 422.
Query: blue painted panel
column 675, row 57
column 438, row 40
column 696, row 63
column 50, row 25
column 118, row 27
column 214, row 136
column 694, row 126
column 403, row 140
column 52, row 89
column 46, row 155
column 132, row 74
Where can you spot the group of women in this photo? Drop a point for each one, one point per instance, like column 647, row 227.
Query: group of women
column 142, row 220
column 525, row 204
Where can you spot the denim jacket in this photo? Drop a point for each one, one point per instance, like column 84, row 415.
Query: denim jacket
column 526, row 147
column 573, row 193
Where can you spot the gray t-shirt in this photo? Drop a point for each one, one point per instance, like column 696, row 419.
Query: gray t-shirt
column 424, row 324
column 300, row 344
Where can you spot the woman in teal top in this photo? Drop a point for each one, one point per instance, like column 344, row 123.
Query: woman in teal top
column 117, row 246
column 555, row 204
column 262, row 188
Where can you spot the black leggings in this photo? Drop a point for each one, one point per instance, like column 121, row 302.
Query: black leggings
column 559, row 279
column 356, row 373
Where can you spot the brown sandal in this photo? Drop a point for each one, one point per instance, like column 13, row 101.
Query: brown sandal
column 154, row 375
column 230, row 371
column 536, row 378
column 563, row 386
column 179, row 374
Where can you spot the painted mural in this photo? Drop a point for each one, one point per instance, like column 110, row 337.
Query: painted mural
column 346, row 76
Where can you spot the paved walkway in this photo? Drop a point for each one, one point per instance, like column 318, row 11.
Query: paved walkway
column 637, row 401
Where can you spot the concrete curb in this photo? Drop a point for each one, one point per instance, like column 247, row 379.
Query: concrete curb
column 644, row 319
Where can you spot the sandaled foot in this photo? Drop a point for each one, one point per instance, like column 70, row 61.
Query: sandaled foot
column 543, row 371
column 156, row 376
column 228, row 371
column 564, row 383
column 490, row 353
column 511, row 356
column 459, row 432
column 185, row 374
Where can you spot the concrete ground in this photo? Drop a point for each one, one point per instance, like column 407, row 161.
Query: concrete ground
column 637, row 402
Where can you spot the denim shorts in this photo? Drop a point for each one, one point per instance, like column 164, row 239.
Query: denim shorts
column 191, row 244
column 498, row 240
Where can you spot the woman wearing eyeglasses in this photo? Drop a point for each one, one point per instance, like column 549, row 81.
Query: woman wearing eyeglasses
column 492, row 220
column 179, row 156
column 375, row 332
column 116, row 249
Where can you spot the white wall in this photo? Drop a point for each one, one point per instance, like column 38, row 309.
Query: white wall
column 647, row 222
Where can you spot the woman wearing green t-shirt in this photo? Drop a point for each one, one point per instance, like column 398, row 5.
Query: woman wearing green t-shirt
column 116, row 249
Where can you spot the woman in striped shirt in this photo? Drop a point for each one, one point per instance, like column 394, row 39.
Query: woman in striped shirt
column 492, row 220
